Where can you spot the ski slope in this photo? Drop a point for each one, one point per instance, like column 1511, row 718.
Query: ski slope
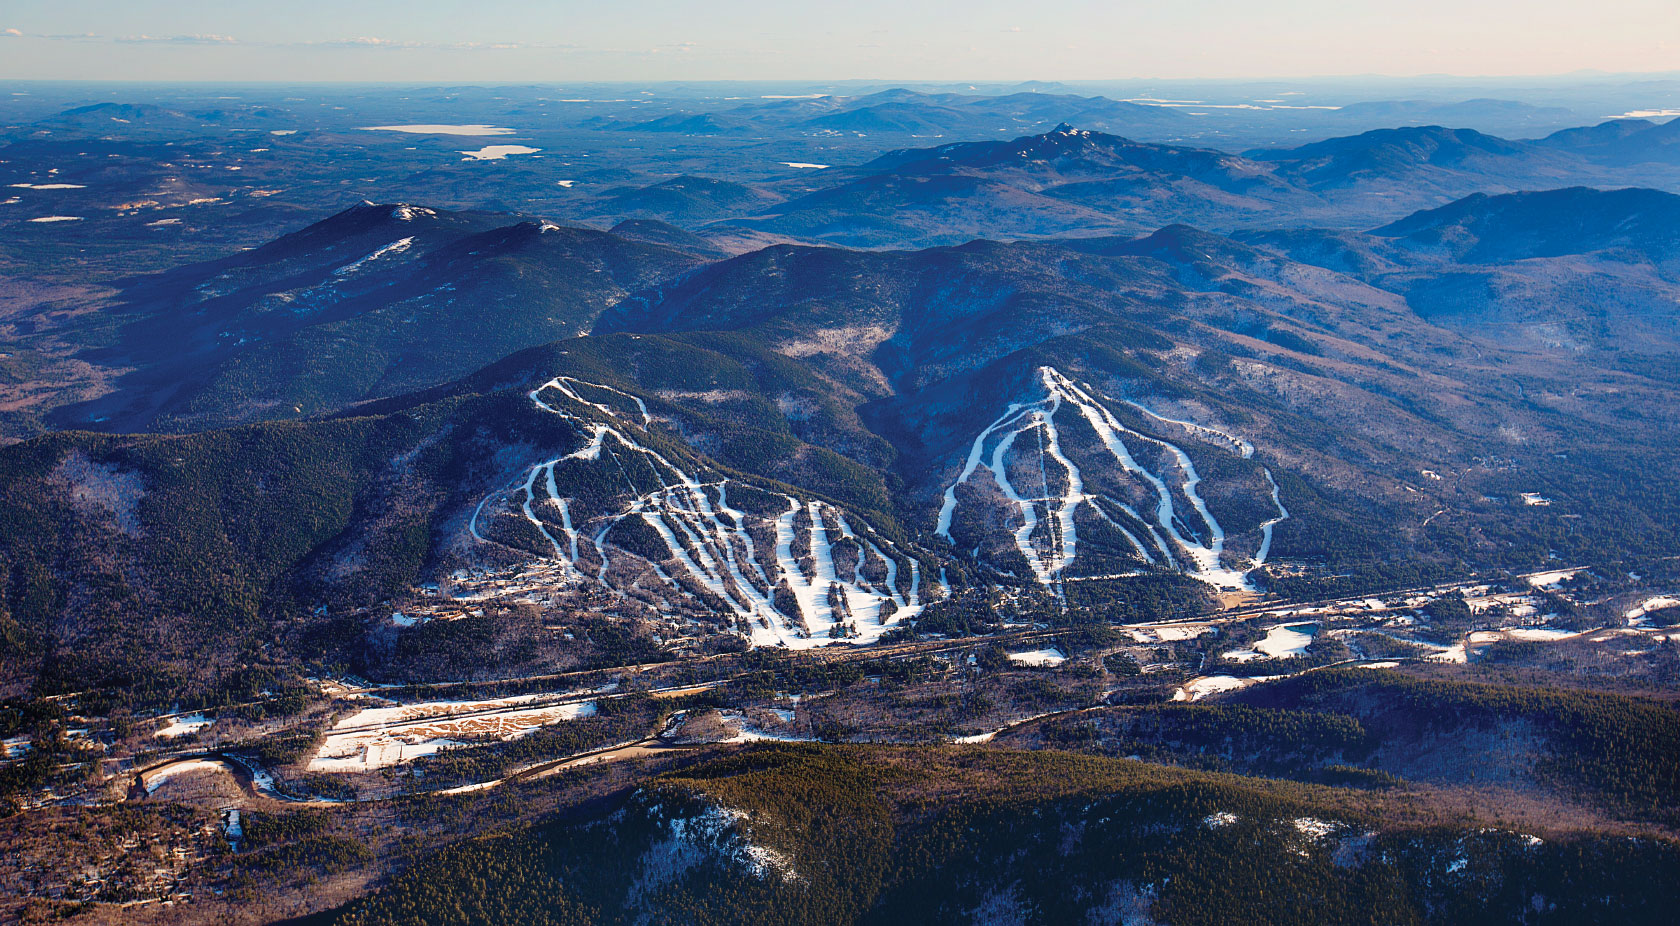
column 1178, row 532
column 805, row 576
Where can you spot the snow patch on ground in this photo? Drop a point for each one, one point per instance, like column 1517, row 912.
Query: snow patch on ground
column 1549, row 579
column 497, row 152
column 1281, row 641
column 1314, row 828
column 1636, row 614
column 182, row 725
column 1201, row 687
column 1045, row 656
column 176, row 769
column 691, row 837
column 1539, row 634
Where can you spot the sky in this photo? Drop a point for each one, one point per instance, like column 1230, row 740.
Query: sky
column 648, row 40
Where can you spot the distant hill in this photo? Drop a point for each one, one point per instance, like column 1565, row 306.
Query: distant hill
column 376, row 300
column 687, row 200
column 1450, row 161
column 1622, row 142
column 1552, row 223
column 1062, row 181
column 1578, row 269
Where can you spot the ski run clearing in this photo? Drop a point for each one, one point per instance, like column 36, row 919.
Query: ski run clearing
column 800, row 573
column 1023, row 451
column 797, row 573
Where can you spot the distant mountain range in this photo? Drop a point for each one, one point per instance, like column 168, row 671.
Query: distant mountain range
column 1075, row 181
column 734, row 440
column 910, row 112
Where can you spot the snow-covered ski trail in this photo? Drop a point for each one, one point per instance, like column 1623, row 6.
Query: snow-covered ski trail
column 708, row 543
column 1187, row 536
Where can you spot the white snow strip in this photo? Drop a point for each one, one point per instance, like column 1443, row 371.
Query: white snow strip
column 1050, row 552
column 395, row 247
column 437, row 129
column 703, row 537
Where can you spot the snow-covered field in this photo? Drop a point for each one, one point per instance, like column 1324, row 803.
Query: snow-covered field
column 1636, row 614
column 1282, row 640
column 1538, row 634
column 379, row 737
column 183, row 725
column 1201, row 687
column 57, row 218
column 1166, row 633
column 1190, row 540
column 1549, row 579
column 1045, row 656
column 498, row 152
column 49, row 186
column 154, row 780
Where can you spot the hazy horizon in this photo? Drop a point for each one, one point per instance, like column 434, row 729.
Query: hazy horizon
column 654, row 40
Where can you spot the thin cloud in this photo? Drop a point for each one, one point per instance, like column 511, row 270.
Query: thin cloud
column 353, row 42
column 372, row 41
column 193, row 39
